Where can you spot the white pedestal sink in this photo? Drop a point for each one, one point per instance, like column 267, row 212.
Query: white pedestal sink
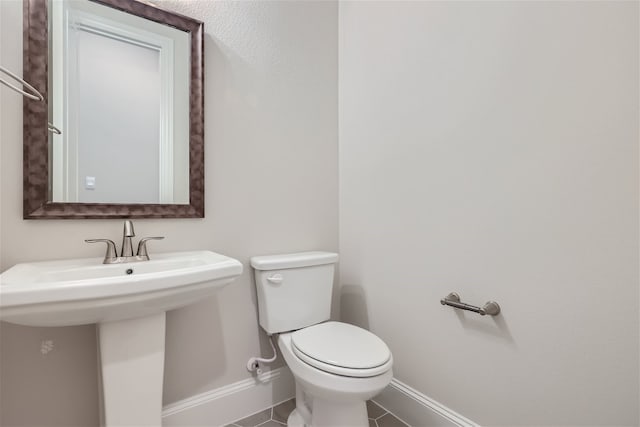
column 128, row 302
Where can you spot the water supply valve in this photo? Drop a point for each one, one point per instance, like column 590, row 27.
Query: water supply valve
column 253, row 365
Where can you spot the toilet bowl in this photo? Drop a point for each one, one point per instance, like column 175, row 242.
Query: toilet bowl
column 337, row 367
column 334, row 380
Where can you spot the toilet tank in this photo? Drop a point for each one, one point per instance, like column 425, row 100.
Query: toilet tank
column 294, row 290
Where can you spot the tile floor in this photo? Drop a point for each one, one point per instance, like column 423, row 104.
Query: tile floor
column 277, row 416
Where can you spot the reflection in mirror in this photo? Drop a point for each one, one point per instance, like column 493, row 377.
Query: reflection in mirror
column 123, row 82
column 119, row 93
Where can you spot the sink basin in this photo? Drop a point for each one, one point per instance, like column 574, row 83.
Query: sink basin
column 84, row 291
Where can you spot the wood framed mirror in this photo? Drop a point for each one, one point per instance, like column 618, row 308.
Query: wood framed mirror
column 141, row 153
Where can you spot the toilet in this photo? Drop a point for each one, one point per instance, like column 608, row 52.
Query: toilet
column 337, row 366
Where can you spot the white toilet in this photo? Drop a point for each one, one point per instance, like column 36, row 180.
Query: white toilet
column 337, row 366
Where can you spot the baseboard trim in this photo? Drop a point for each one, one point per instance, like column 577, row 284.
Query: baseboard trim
column 231, row 402
column 235, row 401
column 417, row 409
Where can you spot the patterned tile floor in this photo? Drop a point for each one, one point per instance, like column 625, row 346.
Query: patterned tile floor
column 277, row 416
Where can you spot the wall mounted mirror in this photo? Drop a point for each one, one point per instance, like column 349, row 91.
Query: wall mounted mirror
column 122, row 82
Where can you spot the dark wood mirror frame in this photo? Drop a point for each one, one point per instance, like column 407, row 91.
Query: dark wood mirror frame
column 35, row 145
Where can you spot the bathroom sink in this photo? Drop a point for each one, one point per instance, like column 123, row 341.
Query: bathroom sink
column 84, row 291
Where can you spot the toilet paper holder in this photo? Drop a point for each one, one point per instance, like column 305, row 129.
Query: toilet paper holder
column 453, row 300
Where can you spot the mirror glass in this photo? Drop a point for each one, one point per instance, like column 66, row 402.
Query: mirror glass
column 118, row 87
column 119, row 132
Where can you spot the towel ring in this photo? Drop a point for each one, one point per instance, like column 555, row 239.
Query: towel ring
column 53, row 129
column 35, row 95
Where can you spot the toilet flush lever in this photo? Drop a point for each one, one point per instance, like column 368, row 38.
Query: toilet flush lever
column 276, row 278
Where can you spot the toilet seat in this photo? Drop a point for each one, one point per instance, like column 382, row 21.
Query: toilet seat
column 342, row 349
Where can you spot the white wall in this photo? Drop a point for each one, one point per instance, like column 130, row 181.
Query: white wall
column 271, row 186
column 491, row 148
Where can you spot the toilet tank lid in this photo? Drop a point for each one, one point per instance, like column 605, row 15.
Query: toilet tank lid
column 295, row 260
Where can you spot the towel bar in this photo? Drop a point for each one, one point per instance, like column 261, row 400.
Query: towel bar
column 453, row 299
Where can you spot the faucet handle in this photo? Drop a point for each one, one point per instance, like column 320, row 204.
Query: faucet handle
column 111, row 248
column 142, row 246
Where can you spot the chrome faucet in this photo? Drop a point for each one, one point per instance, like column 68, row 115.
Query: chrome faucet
column 126, row 252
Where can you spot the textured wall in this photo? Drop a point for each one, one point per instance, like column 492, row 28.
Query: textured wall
column 271, row 186
column 491, row 148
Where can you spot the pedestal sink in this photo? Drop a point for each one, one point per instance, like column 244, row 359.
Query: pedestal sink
column 128, row 301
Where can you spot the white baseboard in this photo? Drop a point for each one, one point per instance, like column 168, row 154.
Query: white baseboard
column 231, row 402
column 235, row 401
column 416, row 409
